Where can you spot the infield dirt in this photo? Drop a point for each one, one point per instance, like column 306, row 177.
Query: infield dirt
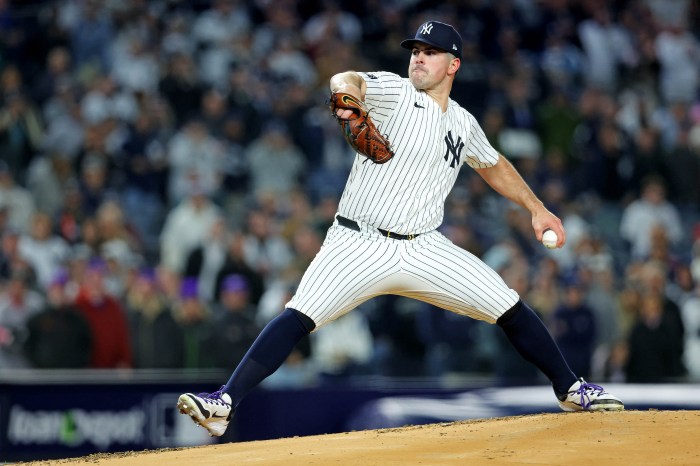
column 622, row 438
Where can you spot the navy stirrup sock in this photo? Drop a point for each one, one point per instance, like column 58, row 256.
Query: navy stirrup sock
column 528, row 334
column 268, row 352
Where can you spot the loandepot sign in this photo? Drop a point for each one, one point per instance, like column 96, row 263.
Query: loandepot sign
column 75, row 427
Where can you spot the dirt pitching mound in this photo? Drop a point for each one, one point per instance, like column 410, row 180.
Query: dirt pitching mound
column 622, row 438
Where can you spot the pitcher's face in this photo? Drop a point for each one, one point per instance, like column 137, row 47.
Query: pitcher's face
column 429, row 66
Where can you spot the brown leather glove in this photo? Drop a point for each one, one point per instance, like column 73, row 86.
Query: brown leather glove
column 359, row 130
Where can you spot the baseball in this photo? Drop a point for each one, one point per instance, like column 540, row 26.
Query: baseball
column 549, row 239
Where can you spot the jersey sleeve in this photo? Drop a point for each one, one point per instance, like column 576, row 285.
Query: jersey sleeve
column 383, row 91
column 480, row 152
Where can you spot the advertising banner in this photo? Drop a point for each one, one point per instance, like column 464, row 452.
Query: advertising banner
column 61, row 421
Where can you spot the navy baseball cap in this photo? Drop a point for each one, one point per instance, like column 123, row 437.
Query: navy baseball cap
column 440, row 35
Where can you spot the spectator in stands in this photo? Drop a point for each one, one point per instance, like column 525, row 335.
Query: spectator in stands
column 556, row 119
column 331, row 21
column 145, row 175
column 653, row 345
column 678, row 52
column 588, row 106
column 217, row 32
column 682, row 166
column 135, row 66
column 205, row 261
column 264, row 249
column 519, row 109
column 235, row 264
column 608, row 48
column 235, row 322
column 336, row 55
column 91, row 35
column 651, row 160
column 603, row 299
column 18, row 304
column 187, row 226
column 237, row 171
column 296, row 213
column 641, row 216
column 89, row 241
column 662, row 252
column 105, row 100
column 562, row 62
column 247, row 96
column 278, row 19
column 610, row 165
column 591, row 251
column 157, row 338
column 654, row 276
column 669, row 120
column 289, row 63
column 111, row 343
column 47, row 178
column 11, row 81
column 65, row 135
column 56, row 72
column 17, row 200
column 194, row 156
column 59, row 335
column 222, row 22
column 114, row 226
column 213, row 112
column 43, row 250
column 176, row 37
column 11, row 260
column 197, row 326
column 181, row 87
column 94, row 183
column 275, row 149
column 21, row 133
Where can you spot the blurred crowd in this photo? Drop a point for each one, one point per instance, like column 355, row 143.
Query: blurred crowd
column 168, row 170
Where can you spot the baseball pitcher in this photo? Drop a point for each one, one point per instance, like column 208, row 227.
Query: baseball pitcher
column 411, row 141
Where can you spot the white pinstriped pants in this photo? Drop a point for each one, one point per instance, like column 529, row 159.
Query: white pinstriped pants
column 353, row 266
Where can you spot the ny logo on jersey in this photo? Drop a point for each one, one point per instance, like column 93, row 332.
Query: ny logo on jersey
column 453, row 148
column 427, row 27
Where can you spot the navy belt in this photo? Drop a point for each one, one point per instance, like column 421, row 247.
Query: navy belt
column 353, row 225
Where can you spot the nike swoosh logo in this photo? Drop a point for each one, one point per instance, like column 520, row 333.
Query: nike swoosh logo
column 204, row 411
column 217, row 415
column 417, row 106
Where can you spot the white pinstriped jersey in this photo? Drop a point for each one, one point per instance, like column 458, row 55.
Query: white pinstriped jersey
column 407, row 194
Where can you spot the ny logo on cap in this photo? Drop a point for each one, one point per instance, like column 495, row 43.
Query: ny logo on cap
column 427, row 27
